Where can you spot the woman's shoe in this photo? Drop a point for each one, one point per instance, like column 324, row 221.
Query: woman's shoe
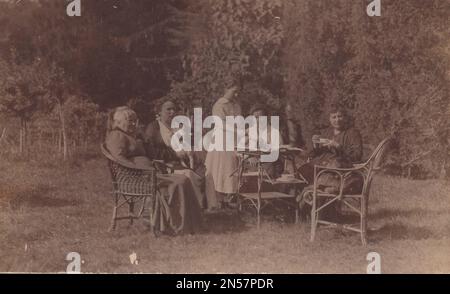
column 213, row 210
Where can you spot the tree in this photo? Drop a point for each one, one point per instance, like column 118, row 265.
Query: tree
column 21, row 91
column 228, row 39
column 118, row 50
column 391, row 71
column 84, row 123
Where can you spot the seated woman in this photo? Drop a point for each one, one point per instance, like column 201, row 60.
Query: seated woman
column 158, row 136
column 291, row 128
column 339, row 146
column 182, row 214
column 272, row 169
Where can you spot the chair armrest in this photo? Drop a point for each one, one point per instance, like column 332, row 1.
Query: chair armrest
column 133, row 167
column 158, row 164
column 338, row 169
column 342, row 173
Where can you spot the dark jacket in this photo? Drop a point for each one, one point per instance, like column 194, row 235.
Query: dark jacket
column 155, row 146
column 123, row 146
column 350, row 150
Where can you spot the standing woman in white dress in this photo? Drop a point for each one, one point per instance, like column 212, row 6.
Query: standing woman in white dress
column 220, row 165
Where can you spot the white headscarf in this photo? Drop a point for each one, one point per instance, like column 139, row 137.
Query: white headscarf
column 124, row 118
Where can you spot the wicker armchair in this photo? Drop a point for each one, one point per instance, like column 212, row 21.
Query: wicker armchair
column 319, row 199
column 134, row 187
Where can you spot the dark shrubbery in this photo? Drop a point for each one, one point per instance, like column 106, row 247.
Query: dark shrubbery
column 391, row 71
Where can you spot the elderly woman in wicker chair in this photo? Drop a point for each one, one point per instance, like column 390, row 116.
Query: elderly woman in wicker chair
column 182, row 213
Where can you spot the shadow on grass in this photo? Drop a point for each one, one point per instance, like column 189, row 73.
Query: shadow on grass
column 230, row 220
column 385, row 213
column 395, row 231
column 400, row 232
column 36, row 197
column 224, row 221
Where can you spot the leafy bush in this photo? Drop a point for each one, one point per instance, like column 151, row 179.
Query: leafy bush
column 391, row 71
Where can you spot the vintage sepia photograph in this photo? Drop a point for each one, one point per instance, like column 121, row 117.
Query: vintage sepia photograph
column 225, row 137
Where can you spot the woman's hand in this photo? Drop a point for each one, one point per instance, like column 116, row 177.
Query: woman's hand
column 183, row 164
column 316, row 141
column 186, row 156
column 332, row 144
column 191, row 160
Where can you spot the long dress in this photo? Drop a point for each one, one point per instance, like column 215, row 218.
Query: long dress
column 157, row 138
column 220, row 165
column 182, row 213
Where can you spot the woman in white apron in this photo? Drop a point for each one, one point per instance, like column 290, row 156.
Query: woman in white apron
column 220, row 165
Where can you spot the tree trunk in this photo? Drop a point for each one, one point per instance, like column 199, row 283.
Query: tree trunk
column 74, row 147
column 40, row 141
column 26, row 138
column 63, row 130
column 53, row 142
column 2, row 136
column 22, row 136
column 59, row 142
column 444, row 172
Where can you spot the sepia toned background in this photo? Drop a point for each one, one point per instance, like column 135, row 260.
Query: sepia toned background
column 60, row 75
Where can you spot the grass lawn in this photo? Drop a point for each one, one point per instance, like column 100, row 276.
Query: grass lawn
column 47, row 211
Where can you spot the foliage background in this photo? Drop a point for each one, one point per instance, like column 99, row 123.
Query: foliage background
column 392, row 71
column 65, row 73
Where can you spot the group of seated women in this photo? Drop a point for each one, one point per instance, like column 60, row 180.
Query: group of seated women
column 202, row 181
